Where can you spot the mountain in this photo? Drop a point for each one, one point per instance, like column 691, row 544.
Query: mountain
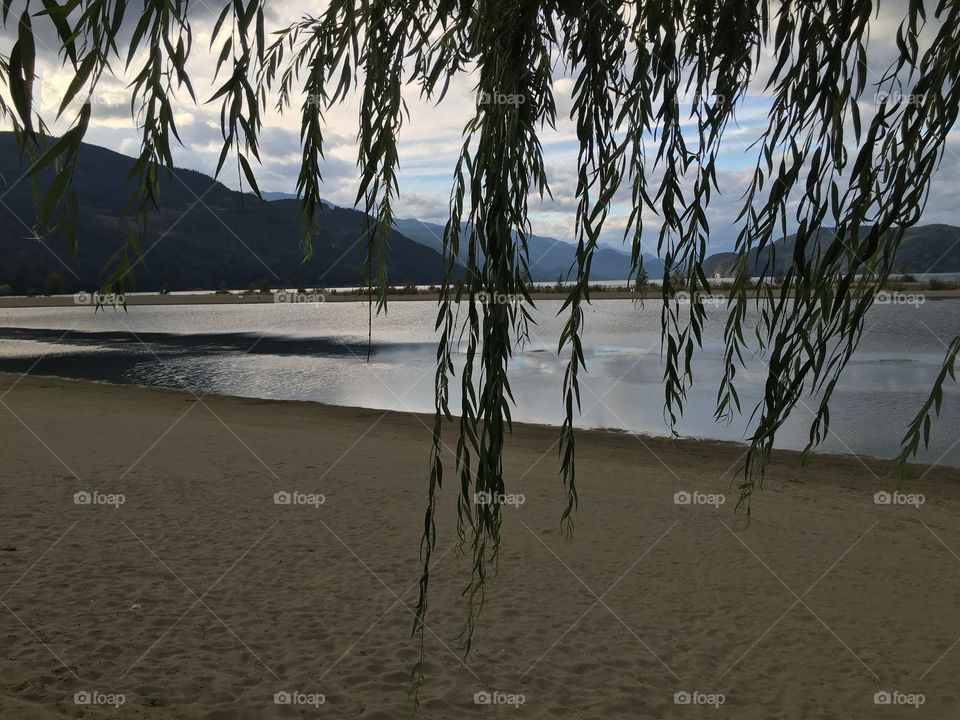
column 924, row 249
column 271, row 196
column 203, row 234
column 549, row 258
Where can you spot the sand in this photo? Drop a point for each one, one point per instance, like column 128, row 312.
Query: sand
column 199, row 597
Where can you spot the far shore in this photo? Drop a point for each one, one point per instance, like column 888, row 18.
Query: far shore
column 908, row 294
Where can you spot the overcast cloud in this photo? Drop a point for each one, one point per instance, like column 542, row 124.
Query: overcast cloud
column 431, row 139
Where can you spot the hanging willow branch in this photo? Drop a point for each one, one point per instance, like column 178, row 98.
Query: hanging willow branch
column 846, row 159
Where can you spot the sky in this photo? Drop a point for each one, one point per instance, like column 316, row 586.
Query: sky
column 431, row 137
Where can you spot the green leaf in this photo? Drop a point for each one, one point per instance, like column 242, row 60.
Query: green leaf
column 248, row 172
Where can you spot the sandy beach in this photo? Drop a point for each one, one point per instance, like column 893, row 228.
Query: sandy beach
column 195, row 595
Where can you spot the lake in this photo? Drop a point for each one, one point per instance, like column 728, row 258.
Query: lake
column 318, row 352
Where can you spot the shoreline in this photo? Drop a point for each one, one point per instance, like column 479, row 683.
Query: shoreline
column 882, row 466
column 16, row 302
column 317, row 598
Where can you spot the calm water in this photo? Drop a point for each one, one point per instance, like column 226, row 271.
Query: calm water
column 318, row 352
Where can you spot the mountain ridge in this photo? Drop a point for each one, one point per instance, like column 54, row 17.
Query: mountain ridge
column 550, row 258
column 925, row 249
column 201, row 235
column 204, row 235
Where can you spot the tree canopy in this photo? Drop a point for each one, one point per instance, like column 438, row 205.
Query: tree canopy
column 849, row 146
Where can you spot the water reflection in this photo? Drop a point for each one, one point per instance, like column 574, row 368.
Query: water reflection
column 319, row 353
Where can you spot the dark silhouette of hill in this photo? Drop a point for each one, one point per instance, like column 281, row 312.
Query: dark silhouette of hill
column 925, row 249
column 203, row 234
column 550, row 258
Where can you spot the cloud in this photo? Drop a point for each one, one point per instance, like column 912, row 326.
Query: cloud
column 431, row 135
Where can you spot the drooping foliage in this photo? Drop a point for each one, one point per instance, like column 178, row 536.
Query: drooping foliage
column 845, row 162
